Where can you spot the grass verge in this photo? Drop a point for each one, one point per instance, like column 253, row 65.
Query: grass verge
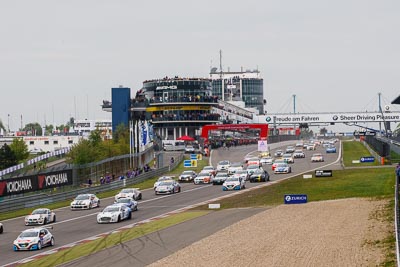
column 354, row 150
column 372, row 182
column 113, row 239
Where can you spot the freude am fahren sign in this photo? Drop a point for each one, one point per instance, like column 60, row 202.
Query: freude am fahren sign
column 333, row 117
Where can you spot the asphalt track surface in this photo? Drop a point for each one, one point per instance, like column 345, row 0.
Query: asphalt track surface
column 72, row 226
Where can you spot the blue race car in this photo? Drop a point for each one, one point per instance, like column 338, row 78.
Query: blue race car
column 331, row 149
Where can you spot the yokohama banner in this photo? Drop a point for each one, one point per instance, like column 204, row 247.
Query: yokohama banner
column 32, row 183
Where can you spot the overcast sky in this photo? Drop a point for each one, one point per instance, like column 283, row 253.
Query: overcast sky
column 60, row 59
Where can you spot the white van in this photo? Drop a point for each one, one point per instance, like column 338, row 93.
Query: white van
column 173, row 145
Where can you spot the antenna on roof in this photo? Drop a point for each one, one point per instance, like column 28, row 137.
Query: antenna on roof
column 220, row 62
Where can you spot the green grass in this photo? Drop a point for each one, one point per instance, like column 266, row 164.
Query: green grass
column 113, row 239
column 367, row 183
column 354, row 150
column 395, row 158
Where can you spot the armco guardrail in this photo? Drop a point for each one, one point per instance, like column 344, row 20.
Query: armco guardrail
column 17, row 203
column 396, row 218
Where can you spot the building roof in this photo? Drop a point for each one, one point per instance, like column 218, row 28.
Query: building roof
column 396, row 101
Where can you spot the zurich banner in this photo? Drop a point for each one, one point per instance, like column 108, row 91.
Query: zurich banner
column 295, row 199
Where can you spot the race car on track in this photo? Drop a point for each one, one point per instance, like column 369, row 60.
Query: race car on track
column 223, row 165
column 187, row 176
column 161, row 179
column 299, row 154
column 282, row 168
column 331, row 149
column 235, row 167
column 1, row 228
column 317, row 157
column 129, row 192
column 264, row 154
column 242, row 174
column 85, row 201
column 129, row 202
column 114, row 213
column 276, row 162
column 40, row 216
column 290, row 149
column 220, row 178
column 234, row 183
column 252, row 168
column 204, row 177
column 266, row 160
column 259, row 176
column 288, row 158
column 168, row 187
column 254, row 161
column 210, row 169
column 278, row 153
column 33, row 239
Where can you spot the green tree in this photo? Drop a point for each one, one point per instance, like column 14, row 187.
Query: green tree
column 34, row 128
column 7, row 157
column 95, row 138
column 20, row 149
column 121, row 132
column 49, row 129
column 82, row 153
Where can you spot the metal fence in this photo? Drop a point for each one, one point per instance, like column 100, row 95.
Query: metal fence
column 32, row 200
column 382, row 148
column 397, row 218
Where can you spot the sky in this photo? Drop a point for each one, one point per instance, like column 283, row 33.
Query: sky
column 60, row 59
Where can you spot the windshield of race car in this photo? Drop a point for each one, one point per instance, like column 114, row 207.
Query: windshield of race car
column 164, row 178
column 166, row 183
column 187, row 173
column 127, row 190
column 124, row 200
column 232, row 179
column 82, row 197
column 111, row 209
column 39, row 211
column 29, row 234
column 282, row 165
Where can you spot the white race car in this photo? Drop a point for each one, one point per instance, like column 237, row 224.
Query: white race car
column 168, row 187
column 129, row 202
column 85, row 201
column 161, row 179
column 114, row 213
column 234, row 183
column 33, row 239
column 235, row 167
column 223, row 165
column 282, row 168
column 40, row 216
column 133, row 193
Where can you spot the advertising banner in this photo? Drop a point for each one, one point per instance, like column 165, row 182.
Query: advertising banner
column 295, row 199
column 32, row 183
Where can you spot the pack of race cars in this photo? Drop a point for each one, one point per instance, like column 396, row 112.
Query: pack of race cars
column 232, row 176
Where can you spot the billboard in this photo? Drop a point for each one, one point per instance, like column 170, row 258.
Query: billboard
column 33, row 183
column 331, row 117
